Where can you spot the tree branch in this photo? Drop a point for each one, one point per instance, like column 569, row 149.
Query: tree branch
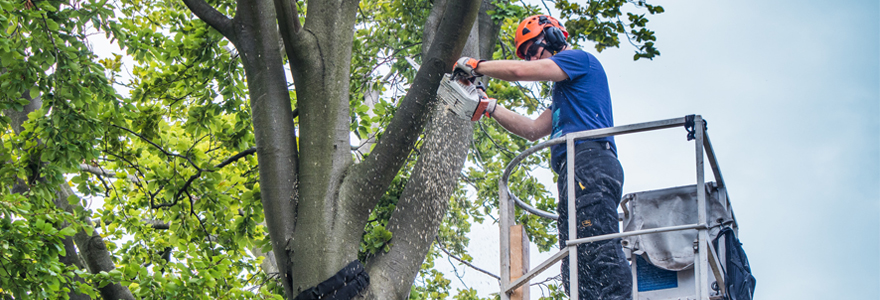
column 465, row 262
column 288, row 23
column 214, row 18
column 236, row 157
column 272, row 121
column 433, row 179
column 97, row 170
column 377, row 171
column 93, row 249
column 159, row 147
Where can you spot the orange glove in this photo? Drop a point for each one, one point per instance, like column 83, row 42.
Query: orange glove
column 466, row 65
column 486, row 107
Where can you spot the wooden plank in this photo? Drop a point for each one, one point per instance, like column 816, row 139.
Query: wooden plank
column 519, row 260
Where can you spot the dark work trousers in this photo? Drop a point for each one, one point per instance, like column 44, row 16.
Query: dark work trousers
column 603, row 272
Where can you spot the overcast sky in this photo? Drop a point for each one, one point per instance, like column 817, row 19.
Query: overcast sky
column 791, row 93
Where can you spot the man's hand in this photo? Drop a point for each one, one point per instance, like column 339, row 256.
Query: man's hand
column 466, row 65
column 486, row 107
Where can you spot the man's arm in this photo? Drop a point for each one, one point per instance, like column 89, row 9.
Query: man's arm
column 523, row 126
column 516, row 70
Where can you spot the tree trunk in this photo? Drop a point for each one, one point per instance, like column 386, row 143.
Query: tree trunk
column 319, row 232
column 327, row 232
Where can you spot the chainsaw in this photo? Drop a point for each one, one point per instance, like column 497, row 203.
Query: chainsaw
column 458, row 93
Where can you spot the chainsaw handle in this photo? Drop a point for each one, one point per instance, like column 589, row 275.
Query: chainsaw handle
column 480, row 86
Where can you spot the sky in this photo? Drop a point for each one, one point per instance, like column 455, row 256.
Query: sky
column 791, row 93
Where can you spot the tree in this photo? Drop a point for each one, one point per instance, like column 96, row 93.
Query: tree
column 213, row 158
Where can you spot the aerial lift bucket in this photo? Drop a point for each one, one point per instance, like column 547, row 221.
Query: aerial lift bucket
column 670, row 259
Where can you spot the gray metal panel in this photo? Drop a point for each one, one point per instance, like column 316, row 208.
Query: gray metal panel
column 670, row 207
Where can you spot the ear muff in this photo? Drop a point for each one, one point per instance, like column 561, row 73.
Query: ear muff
column 554, row 39
column 540, row 25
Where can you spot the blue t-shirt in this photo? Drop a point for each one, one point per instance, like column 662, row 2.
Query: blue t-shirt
column 581, row 102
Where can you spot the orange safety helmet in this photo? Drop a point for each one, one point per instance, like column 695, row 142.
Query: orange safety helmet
column 533, row 27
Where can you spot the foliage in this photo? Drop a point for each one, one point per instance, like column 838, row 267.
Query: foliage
column 554, row 292
column 599, row 21
column 43, row 54
column 167, row 119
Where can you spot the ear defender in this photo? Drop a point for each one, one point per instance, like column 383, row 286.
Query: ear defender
column 532, row 27
column 554, row 39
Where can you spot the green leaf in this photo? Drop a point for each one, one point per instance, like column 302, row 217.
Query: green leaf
column 72, row 199
column 68, row 231
column 54, row 284
column 52, row 24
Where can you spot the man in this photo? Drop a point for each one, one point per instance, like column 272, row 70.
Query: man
column 581, row 101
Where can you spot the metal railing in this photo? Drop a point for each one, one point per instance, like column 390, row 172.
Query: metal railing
column 704, row 260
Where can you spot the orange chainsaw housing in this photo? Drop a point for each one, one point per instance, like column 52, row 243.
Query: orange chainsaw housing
column 481, row 108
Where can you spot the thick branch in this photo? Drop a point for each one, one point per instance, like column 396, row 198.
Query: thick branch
column 273, row 126
column 488, row 30
column 373, row 176
column 214, row 18
column 422, row 205
column 94, row 250
column 288, row 23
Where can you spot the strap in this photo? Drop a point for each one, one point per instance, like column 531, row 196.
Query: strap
column 344, row 285
column 690, row 127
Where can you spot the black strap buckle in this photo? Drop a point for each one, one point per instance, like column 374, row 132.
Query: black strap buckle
column 690, row 127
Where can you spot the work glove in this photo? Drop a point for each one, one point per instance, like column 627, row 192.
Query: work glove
column 465, row 66
column 486, row 107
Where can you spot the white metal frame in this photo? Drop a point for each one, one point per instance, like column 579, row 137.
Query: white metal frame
column 705, row 258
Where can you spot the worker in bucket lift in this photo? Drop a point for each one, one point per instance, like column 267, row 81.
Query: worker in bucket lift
column 581, row 101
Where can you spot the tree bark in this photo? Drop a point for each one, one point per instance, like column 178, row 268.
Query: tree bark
column 421, row 207
column 327, row 234
column 70, row 258
column 274, row 133
column 425, row 198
